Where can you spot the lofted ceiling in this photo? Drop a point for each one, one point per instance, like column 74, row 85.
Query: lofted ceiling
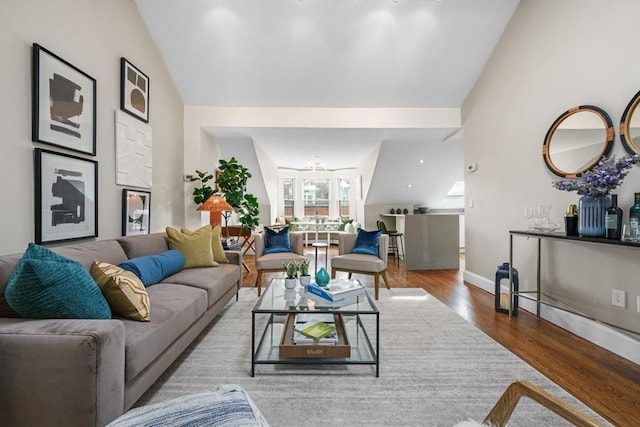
column 329, row 54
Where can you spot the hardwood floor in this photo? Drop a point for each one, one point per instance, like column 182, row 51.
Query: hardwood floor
column 607, row 383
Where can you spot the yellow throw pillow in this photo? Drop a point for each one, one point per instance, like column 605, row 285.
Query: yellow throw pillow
column 123, row 290
column 196, row 247
column 216, row 243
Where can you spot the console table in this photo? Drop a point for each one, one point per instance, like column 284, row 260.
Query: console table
column 538, row 296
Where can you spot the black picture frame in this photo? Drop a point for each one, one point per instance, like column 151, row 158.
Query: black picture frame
column 134, row 91
column 66, row 197
column 136, row 212
column 63, row 103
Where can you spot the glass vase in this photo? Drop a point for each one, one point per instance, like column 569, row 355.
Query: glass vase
column 591, row 214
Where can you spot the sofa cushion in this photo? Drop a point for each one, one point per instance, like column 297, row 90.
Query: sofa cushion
column 123, row 290
column 215, row 281
column 151, row 269
column 196, row 247
column 367, row 242
column 175, row 309
column 216, row 243
column 48, row 285
column 142, row 245
column 85, row 253
column 276, row 241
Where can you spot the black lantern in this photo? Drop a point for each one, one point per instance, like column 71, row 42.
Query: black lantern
column 502, row 289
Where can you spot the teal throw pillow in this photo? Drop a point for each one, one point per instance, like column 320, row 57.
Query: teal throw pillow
column 276, row 241
column 152, row 269
column 46, row 285
column 367, row 242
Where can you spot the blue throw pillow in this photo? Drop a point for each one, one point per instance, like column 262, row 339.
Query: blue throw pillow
column 46, row 285
column 367, row 242
column 276, row 241
column 153, row 268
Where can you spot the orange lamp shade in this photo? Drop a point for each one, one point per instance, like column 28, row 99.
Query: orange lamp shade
column 215, row 205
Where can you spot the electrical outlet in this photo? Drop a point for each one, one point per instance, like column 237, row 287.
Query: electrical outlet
column 638, row 303
column 618, row 298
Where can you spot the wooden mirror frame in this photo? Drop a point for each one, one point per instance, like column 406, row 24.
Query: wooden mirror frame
column 608, row 144
column 625, row 125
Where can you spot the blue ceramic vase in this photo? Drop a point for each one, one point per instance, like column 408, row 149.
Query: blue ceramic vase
column 591, row 213
column 322, row 277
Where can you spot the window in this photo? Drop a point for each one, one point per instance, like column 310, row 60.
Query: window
column 316, row 197
column 344, row 190
column 288, row 195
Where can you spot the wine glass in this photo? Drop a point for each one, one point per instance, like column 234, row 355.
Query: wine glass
column 528, row 213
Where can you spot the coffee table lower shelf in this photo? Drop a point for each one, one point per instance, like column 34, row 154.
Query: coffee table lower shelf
column 275, row 346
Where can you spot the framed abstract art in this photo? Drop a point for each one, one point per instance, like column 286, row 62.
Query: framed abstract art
column 135, row 212
column 64, row 103
column 66, row 197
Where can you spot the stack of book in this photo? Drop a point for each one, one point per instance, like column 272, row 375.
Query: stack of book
column 315, row 328
column 337, row 292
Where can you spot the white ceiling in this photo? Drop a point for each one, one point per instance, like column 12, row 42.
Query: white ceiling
column 325, row 53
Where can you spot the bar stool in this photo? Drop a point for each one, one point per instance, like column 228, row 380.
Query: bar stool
column 393, row 240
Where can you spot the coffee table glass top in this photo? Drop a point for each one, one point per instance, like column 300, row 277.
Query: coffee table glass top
column 277, row 299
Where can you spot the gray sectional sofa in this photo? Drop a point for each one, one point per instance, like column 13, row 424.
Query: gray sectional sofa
column 66, row 372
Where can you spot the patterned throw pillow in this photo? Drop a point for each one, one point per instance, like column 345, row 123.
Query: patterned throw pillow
column 276, row 241
column 216, row 243
column 367, row 242
column 123, row 290
column 46, row 285
column 195, row 247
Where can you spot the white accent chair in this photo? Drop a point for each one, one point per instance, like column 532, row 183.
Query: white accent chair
column 270, row 263
column 361, row 264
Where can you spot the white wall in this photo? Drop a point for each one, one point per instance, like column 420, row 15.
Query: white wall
column 552, row 56
column 92, row 36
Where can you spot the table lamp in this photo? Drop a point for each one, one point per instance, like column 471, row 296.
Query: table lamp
column 215, row 205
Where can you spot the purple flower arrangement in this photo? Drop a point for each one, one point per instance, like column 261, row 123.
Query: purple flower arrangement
column 601, row 179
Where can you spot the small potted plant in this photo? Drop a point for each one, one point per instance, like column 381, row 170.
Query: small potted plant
column 291, row 273
column 303, row 268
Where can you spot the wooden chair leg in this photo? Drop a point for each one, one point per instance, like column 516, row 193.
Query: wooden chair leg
column 377, row 285
column 333, row 273
column 384, row 277
column 259, row 281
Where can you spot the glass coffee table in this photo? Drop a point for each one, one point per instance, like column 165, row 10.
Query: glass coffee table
column 358, row 325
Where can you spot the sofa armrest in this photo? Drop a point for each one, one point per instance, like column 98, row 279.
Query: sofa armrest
column 61, row 371
column 234, row 257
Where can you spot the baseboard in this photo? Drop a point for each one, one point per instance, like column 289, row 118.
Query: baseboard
column 595, row 332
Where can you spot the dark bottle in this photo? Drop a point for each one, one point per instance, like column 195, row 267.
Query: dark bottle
column 613, row 219
column 634, row 217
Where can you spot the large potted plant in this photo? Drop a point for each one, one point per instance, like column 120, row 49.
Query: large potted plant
column 231, row 183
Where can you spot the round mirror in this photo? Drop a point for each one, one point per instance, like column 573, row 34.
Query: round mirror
column 577, row 140
column 630, row 126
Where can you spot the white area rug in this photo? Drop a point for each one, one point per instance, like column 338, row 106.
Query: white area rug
column 436, row 369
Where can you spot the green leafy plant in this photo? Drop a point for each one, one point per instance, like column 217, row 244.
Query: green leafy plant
column 202, row 193
column 290, row 269
column 303, row 267
column 232, row 183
